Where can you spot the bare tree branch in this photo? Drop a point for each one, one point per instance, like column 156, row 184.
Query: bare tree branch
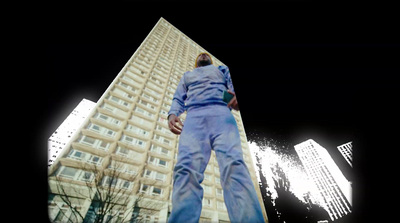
column 107, row 192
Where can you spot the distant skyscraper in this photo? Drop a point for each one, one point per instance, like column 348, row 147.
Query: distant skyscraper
column 333, row 189
column 347, row 151
column 127, row 131
column 64, row 132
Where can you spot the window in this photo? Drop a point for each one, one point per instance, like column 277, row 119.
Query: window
column 123, row 167
column 153, row 85
column 118, row 100
column 133, row 141
column 169, row 94
column 149, row 97
column 109, row 107
column 159, row 149
column 172, row 84
column 163, row 120
column 144, row 112
column 161, row 176
column 216, row 169
column 132, row 81
column 163, row 112
column 88, row 140
column 207, row 189
column 156, row 191
column 116, row 182
column 141, row 121
column 101, row 130
column 136, row 70
column 209, row 168
column 137, row 130
column 221, row 205
column 156, row 81
column 219, row 192
column 122, row 151
column 157, row 161
column 157, row 75
column 126, row 86
column 151, row 91
column 84, row 156
column 218, row 180
column 162, row 140
column 122, row 93
column 162, row 163
column 107, row 119
column 151, row 190
column 75, row 154
column 207, row 176
column 74, row 174
column 144, row 215
column 148, row 105
column 207, row 202
column 68, row 172
column 163, row 130
column 94, row 143
column 171, row 88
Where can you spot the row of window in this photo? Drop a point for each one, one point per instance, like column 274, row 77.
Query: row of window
column 87, row 176
column 148, row 93
column 142, row 108
column 100, row 144
column 184, row 43
column 90, row 158
column 148, row 98
column 82, row 156
column 207, row 202
column 171, row 40
column 142, row 133
column 208, row 190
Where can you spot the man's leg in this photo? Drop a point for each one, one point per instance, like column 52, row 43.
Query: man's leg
column 239, row 192
column 194, row 154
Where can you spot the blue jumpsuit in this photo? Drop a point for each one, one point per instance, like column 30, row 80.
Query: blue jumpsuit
column 209, row 125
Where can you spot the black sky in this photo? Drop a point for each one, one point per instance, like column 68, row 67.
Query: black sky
column 300, row 71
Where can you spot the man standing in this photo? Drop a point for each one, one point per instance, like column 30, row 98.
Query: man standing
column 209, row 125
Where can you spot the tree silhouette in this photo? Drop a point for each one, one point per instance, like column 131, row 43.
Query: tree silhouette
column 286, row 207
column 266, row 195
column 289, row 207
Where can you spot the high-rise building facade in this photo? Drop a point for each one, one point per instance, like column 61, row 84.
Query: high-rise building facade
column 68, row 127
column 331, row 189
column 127, row 132
column 347, row 152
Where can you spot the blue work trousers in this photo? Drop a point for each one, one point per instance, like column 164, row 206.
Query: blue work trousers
column 206, row 128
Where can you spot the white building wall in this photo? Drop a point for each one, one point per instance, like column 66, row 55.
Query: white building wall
column 64, row 132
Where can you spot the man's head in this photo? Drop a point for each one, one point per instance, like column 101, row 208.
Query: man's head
column 203, row 59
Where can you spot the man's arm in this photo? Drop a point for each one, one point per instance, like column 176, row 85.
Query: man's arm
column 233, row 102
column 177, row 107
column 173, row 121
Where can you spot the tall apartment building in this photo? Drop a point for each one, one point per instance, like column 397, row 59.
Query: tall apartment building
column 59, row 139
column 347, row 152
column 127, row 131
column 331, row 189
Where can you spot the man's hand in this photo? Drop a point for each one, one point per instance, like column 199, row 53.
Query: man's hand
column 233, row 102
column 173, row 121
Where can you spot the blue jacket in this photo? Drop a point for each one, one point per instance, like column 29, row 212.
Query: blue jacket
column 201, row 86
